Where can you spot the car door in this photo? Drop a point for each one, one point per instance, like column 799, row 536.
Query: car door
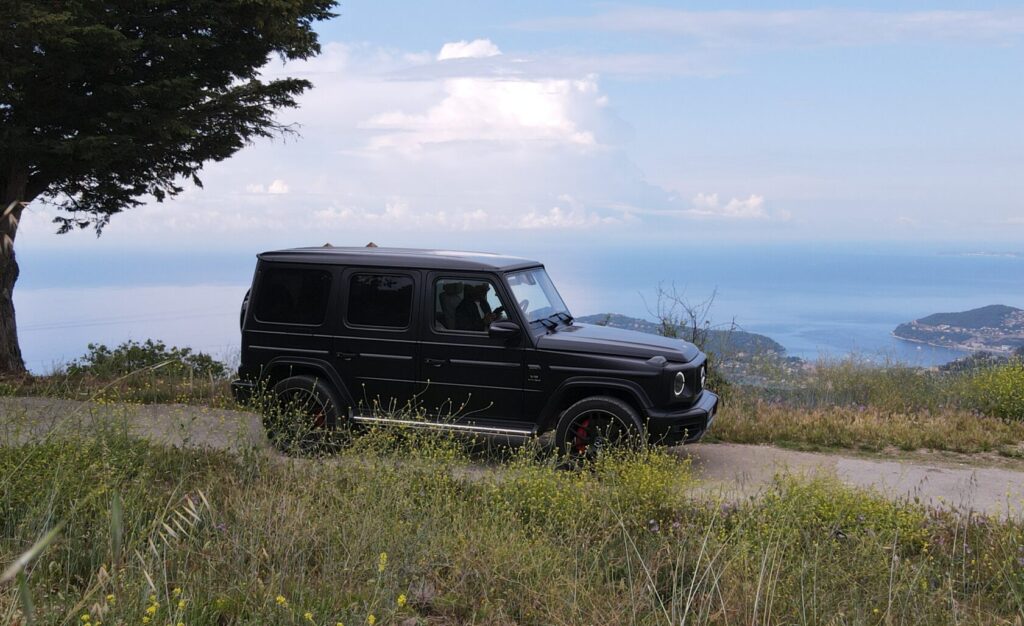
column 376, row 348
column 465, row 374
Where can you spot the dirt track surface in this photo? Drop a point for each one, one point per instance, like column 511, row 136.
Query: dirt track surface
column 729, row 469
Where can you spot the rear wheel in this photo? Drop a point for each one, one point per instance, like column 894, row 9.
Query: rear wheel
column 304, row 416
column 594, row 424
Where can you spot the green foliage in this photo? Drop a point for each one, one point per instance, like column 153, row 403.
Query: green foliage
column 895, row 387
column 408, row 527
column 132, row 356
column 133, row 372
column 104, row 102
column 853, row 404
column 999, row 390
column 817, row 504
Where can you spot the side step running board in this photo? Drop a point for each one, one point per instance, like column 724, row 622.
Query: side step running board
column 467, row 428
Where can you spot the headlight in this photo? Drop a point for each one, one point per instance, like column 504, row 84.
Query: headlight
column 703, row 375
column 679, row 384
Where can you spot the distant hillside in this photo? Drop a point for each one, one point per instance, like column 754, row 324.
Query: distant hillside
column 995, row 328
column 991, row 316
column 737, row 344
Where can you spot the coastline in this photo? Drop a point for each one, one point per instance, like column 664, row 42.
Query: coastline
column 958, row 347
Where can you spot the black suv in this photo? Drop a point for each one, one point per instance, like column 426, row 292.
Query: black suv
column 465, row 341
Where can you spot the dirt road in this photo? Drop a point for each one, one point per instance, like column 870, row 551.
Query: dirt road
column 735, row 470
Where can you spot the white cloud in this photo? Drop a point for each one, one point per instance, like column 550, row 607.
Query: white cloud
column 419, row 154
column 278, row 187
column 708, row 205
column 574, row 216
column 492, row 110
column 397, row 214
column 476, row 49
column 823, row 27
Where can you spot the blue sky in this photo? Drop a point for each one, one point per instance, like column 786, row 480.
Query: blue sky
column 489, row 125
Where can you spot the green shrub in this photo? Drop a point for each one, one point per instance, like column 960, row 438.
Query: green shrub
column 999, row 391
column 132, row 356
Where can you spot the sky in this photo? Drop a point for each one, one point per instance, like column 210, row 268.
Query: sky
column 498, row 125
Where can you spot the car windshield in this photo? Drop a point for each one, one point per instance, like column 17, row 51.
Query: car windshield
column 536, row 295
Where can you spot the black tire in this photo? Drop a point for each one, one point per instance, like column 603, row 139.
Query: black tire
column 595, row 423
column 304, row 416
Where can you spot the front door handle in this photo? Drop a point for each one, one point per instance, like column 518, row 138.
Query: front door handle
column 347, row 356
column 435, row 362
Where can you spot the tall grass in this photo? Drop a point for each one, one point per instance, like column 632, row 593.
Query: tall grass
column 852, row 404
column 410, row 528
column 148, row 372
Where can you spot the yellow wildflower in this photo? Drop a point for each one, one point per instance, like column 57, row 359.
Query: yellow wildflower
column 176, row 591
column 85, row 617
column 111, row 598
column 370, row 619
column 281, row 601
column 151, row 609
column 339, row 624
column 145, row 619
column 152, row 598
column 181, row 604
column 382, row 563
column 308, row 615
column 401, row 600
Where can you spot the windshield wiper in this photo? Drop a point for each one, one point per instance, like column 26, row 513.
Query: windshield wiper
column 565, row 317
column 549, row 324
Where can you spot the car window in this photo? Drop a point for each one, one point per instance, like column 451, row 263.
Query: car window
column 466, row 304
column 383, row 300
column 293, row 296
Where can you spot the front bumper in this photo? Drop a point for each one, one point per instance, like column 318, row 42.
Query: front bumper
column 686, row 426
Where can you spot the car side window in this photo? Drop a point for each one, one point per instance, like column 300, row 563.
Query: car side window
column 382, row 300
column 293, row 296
column 462, row 304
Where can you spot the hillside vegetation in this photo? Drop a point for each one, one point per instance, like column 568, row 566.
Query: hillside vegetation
column 996, row 328
column 828, row 404
column 408, row 530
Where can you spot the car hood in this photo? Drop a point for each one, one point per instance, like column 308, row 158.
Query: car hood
column 617, row 342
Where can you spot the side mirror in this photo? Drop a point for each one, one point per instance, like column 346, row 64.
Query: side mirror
column 504, row 330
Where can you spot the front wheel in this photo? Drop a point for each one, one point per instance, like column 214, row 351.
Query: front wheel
column 304, row 415
column 594, row 424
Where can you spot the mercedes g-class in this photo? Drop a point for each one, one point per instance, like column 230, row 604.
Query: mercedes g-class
column 463, row 341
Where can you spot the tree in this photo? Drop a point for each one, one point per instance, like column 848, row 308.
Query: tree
column 105, row 103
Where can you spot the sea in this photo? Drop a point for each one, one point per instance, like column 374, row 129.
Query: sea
column 819, row 300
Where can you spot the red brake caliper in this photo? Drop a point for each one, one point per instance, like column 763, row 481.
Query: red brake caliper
column 581, row 436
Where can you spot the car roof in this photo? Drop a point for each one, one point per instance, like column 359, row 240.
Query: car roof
column 399, row 257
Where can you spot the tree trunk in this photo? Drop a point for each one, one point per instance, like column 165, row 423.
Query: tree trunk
column 11, row 363
column 11, row 196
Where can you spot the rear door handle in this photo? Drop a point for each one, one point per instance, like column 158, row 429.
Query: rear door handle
column 347, row 356
column 435, row 362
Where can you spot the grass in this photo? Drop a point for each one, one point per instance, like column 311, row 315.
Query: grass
column 853, row 405
column 140, row 387
column 844, row 404
column 756, row 420
column 412, row 529
column 149, row 372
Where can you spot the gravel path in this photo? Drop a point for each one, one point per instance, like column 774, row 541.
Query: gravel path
column 730, row 469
